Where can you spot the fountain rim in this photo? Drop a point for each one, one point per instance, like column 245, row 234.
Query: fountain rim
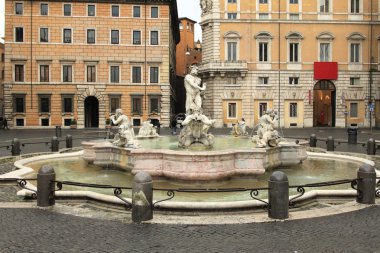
column 173, row 205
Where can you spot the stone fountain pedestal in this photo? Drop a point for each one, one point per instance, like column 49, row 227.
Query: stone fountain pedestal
column 193, row 165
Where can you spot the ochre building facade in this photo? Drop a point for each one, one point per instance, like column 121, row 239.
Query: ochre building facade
column 315, row 62
column 81, row 60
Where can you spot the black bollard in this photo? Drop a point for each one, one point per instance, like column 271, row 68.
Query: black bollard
column 371, row 147
column 58, row 131
column 54, row 144
column 69, row 141
column 16, row 147
column 366, row 184
column 313, row 141
column 142, row 197
column 352, row 135
column 330, row 143
column 45, row 186
column 278, row 196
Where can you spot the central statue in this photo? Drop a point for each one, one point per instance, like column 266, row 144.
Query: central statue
column 196, row 124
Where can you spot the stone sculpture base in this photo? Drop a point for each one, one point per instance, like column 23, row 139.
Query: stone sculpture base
column 193, row 165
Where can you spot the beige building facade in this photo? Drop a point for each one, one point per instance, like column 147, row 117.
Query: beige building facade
column 80, row 60
column 315, row 62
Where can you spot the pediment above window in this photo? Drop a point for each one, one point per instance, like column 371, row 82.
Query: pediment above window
column 325, row 36
column 232, row 35
column 356, row 36
column 263, row 35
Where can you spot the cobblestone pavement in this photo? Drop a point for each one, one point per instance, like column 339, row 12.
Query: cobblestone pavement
column 43, row 230
column 36, row 230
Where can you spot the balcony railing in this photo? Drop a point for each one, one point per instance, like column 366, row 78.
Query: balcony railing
column 223, row 67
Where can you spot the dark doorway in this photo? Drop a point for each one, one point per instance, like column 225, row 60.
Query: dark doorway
column 91, row 112
column 324, row 104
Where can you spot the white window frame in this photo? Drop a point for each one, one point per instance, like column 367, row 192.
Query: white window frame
column 88, row 12
column 48, row 34
column 233, row 15
column 72, row 72
column 96, row 72
column 116, row 29
column 232, row 36
column 133, row 7
column 290, row 110
column 354, row 83
column 158, row 11
column 355, row 56
column 263, row 78
column 14, row 72
column 228, row 110
column 48, row 8
column 326, row 15
column 39, row 71
column 23, row 6
column 141, row 74
column 63, row 9
column 158, row 37
column 264, row 37
column 110, row 73
column 357, row 110
column 72, row 35
column 159, row 71
column 141, row 37
column 269, row 12
column 86, row 39
column 23, row 34
column 112, row 5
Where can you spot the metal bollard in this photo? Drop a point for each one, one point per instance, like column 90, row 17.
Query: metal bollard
column 313, row 141
column 371, row 147
column 54, row 144
column 142, row 197
column 330, row 143
column 16, row 147
column 366, row 192
column 58, row 131
column 69, row 141
column 278, row 196
column 45, row 186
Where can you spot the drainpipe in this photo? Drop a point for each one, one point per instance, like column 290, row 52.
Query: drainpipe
column 145, row 63
column 31, row 54
column 370, row 68
column 279, row 63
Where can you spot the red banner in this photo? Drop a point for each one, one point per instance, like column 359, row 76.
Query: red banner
column 325, row 71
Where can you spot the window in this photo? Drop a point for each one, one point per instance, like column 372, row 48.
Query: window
column 354, row 80
column 19, row 73
column 154, row 37
column 353, row 110
column 91, row 74
column 2, row 57
column 355, row 53
column 293, row 52
column 232, row 110
column 231, row 51
column 263, row 1
column 19, row 103
column 67, row 73
column 19, row 8
column 90, row 36
column 232, row 15
column 44, row 35
column 44, row 73
column 262, row 108
column 67, row 103
column 324, row 5
column 19, row 34
column 293, row 80
column 187, row 26
column 324, row 52
column 91, row 10
column 136, row 37
column 263, row 52
column 180, row 26
column 44, row 103
column 231, row 1
column 293, row 1
column 114, row 36
column 154, row 12
column 136, row 105
column 44, row 9
column 154, row 104
column 136, row 12
column 293, row 110
column 136, row 74
column 154, row 74
column 263, row 16
column 294, row 16
column 115, row 10
column 67, row 10
column 114, row 103
column 115, row 74
column 263, row 80
column 355, row 6
column 67, row 35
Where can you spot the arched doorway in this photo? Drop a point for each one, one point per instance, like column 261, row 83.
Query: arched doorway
column 91, row 112
column 324, row 103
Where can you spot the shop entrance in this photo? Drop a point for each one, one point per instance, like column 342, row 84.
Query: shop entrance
column 324, row 104
column 91, row 112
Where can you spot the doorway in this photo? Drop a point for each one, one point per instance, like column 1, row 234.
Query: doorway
column 324, row 104
column 91, row 112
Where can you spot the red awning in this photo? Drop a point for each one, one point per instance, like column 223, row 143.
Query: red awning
column 325, row 71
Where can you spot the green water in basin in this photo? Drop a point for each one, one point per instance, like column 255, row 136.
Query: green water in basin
column 310, row 171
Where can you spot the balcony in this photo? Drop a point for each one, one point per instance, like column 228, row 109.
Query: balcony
column 222, row 68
